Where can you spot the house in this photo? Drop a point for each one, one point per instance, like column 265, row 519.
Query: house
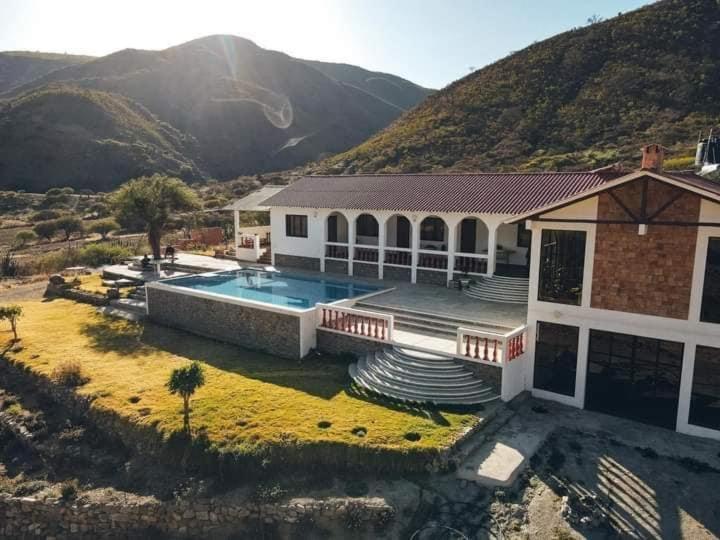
column 621, row 277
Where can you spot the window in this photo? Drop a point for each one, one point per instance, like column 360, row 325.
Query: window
column 562, row 263
column 367, row 225
column 296, row 226
column 705, row 397
column 432, row 229
column 710, row 311
column 524, row 236
column 556, row 348
column 332, row 224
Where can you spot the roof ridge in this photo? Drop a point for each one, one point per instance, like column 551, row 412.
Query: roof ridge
column 516, row 173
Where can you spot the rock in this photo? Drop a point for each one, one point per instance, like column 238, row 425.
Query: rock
column 56, row 279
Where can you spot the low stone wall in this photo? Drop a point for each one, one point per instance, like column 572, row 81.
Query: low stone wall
column 395, row 273
column 55, row 291
column 336, row 267
column 259, row 329
column 296, row 261
column 368, row 270
column 432, row 277
column 335, row 344
column 203, row 518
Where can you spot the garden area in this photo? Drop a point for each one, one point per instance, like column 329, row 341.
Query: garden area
column 251, row 404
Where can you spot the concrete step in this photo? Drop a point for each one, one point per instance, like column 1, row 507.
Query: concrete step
column 433, row 375
column 370, row 365
column 503, row 289
column 436, row 366
column 129, row 304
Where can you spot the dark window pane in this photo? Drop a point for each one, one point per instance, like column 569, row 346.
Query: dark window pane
column 367, row 225
column 639, row 379
column 556, row 358
column 710, row 311
column 705, row 398
column 432, row 229
column 562, row 262
column 332, row 232
column 524, row 236
column 296, row 226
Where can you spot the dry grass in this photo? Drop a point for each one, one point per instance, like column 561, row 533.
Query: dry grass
column 249, row 398
column 93, row 284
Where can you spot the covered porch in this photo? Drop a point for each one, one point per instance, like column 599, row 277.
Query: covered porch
column 430, row 248
column 251, row 221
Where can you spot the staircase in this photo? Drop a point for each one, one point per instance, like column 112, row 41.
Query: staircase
column 132, row 308
column 509, row 290
column 418, row 377
column 266, row 258
column 430, row 323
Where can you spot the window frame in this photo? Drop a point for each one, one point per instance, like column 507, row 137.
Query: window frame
column 296, row 220
column 524, row 236
column 710, row 281
column 542, row 291
column 432, row 229
column 566, row 327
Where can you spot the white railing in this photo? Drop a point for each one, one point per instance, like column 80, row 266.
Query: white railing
column 491, row 346
column 355, row 322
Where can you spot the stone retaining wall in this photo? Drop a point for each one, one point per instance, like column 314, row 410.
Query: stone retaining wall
column 395, row 273
column 368, row 270
column 336, row 344
column 76, row 294
column 259, row 329
column 432, row 277
column 336, row 267
column 296, row 261
column 202, row 518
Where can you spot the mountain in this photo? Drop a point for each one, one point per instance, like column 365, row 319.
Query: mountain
column 582, row 99
column 21, row 67
column 62, row 135
column 247, row 109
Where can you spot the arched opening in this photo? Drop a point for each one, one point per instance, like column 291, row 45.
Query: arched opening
column 398, row 232
column 471, row 236
column 337, row 228
column 367, row 230
column 433, row 234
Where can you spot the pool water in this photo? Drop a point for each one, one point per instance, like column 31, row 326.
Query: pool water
column 277, row 288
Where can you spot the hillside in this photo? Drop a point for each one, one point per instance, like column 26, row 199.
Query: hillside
column 21, row 67
column 65, row 136
column 582, row 99
column 249, row 109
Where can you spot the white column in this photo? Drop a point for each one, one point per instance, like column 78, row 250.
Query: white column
column 492, row 248
column 351, row 242
column 414, row 246
column 381, row 245
column 236, row 217
column 452, row 226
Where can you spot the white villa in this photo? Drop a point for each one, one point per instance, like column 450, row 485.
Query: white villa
column 596, row 289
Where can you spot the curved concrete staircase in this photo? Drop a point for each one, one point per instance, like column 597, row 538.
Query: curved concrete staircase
column 419, row 377
column 510, row 290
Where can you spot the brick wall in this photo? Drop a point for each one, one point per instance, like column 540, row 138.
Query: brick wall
column 650, row 274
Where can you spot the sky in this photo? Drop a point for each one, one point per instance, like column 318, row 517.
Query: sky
column 430, row 42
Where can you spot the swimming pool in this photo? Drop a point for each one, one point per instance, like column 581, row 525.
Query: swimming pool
column 276, row 288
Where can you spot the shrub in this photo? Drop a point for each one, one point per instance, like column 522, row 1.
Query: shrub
column 412, row 436
column 24, row 237
column 95, row 255
column 359, row 431
column 324, row 424
column 68, row 490
column 103, row 227
column 9, row 266
column 69, row 225
column 45, row 215
column 46, row 229
column 11, row 313
column 69, row 374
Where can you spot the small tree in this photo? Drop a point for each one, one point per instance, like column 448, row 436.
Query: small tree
column 153, row 200
column 46, row 229
column 69, row 225
column 104, row 227
column 11, row 313
column 23, row 238
column 184, row 381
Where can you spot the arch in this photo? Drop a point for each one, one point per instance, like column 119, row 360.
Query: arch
column 398, row 231
column 434, row 233
column 367, row 230
column 472, row 235
column 336, row 228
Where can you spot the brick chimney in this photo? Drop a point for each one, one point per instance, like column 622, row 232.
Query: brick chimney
column 652, row 157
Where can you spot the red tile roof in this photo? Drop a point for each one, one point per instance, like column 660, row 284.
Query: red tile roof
column 490, row 193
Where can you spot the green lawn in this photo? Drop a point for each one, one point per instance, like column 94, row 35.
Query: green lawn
column 249, row 399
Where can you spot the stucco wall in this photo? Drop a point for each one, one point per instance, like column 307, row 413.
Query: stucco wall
column 649, row 274
column 269, row 331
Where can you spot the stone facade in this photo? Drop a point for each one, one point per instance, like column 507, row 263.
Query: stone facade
column 395, row 273
column 336, row 267
column 649, row 274
column 23, row 517
column 77, row 295
column 365, row 270
column 296, row 261
column 259, row 329
column 432, row 277
column 335, row 344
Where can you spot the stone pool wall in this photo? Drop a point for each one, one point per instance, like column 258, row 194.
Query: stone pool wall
column 296, row 261
column 264, row 330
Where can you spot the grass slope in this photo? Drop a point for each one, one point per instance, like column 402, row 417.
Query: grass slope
column 584, row 98
column 249, row 399
column 21, row 67
column 61, row 135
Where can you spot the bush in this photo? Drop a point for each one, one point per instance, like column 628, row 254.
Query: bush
column 24, row 237
column 69, row 374
column 68, row 490
column 104, row 227
column 95, row 255
column 69, row 225
column 45, row 215
column 46, row 229
column 9, row 266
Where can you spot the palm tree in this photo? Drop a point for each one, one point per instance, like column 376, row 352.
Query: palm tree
column 184, row 381
column 153, row 200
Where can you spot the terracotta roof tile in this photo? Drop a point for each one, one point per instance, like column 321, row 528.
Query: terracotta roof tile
column 491, row 193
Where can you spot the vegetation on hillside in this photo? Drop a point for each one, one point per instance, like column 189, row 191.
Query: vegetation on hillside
column 21, row 67
column 585, row 98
